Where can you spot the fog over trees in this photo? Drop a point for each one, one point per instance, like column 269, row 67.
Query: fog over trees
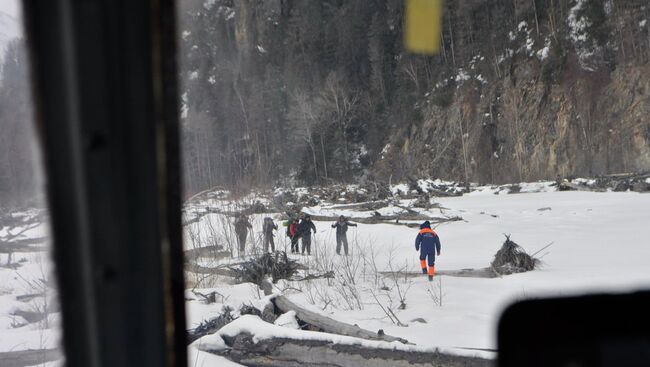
column 281, row 92
column 19, row 179
column 315, row 92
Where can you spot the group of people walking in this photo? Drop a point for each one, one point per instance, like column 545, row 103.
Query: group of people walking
column 301, row 228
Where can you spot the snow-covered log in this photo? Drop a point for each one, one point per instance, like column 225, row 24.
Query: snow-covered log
column 330, row 325
column 213, row 252
column 253, row 342
column 462, row 273
column 288, row 352
column 30, row 357
column 390, row 219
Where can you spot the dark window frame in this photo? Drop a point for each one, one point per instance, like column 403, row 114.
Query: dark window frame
column 105, row 92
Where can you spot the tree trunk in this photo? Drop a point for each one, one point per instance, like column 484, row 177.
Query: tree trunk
column 287, row 352
column 329, row 325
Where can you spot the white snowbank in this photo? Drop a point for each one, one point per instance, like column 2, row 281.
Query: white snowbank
column 288, row 319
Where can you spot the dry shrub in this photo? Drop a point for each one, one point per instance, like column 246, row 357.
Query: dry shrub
column 211, row 326
column 512, row 258
column 277, row 265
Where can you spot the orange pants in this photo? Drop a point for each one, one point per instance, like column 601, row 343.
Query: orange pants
column 432, row 268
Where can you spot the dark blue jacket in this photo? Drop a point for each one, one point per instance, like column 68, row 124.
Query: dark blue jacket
column 427, row 241
column 305, row 227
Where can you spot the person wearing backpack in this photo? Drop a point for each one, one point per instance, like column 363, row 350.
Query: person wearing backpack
column 341, row 226
column 242, row 225
column 292, row 233
column 268, row 227
column 304, row 231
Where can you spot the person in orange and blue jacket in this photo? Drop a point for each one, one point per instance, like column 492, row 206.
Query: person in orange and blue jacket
column 428, row 243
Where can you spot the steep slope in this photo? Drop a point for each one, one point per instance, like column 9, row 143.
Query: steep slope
column 522, row 90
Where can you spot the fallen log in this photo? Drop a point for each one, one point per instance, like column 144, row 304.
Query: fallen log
column 370, row 205
column 463, row 273
column 390, row 219
column 326, row 275
column 29, row 357
column 28, row 297
column 327, row 324
column 10, row 248
column 213, row 252
column 227, row 270
column 297, row 352
column 220, row 270
column 30, row 316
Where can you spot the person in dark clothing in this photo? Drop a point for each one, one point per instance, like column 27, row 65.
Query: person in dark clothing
column 242, row 225
column 293, row 234
column 341, row 226
column 428, row 243
column 267, row 230
column 304, row 231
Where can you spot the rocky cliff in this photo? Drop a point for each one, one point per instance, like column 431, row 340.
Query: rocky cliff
column 323, row 91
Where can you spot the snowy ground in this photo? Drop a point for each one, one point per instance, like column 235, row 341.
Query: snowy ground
column 599, row 244
column 17, row 333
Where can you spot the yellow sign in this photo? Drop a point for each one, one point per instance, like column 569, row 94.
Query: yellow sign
column 422, row 26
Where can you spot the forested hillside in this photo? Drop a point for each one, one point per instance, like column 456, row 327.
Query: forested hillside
column 322, row 91
column 319, row 92
column 19, row 180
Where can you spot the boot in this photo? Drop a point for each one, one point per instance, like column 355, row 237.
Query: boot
column 432, row 272
column 423, row 265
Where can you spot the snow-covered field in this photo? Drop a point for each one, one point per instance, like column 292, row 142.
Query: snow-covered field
column 599, row 244
column 29, row 278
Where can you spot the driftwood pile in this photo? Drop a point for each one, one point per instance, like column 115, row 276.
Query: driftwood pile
column 256, row 270
column 638, row 182
column 15, row 226
column 512, row 258
column 210, row 326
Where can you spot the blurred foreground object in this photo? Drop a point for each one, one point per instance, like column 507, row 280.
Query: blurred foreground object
column 423, row 23
column 592, row 330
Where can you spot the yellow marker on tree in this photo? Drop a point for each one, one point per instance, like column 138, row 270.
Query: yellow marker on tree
column 422, row 26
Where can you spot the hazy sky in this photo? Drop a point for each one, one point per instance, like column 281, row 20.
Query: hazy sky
column 11, row 7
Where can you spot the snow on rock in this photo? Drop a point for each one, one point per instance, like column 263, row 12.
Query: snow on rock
column 198, row 358
column 586, row 47
column 542, row 54
column 462, row 76
column 288, row 320
column 209, row 4
column 210, row 342
column 523, row 25
column 399, row 189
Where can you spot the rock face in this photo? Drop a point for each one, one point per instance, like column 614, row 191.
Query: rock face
column 521, row 90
